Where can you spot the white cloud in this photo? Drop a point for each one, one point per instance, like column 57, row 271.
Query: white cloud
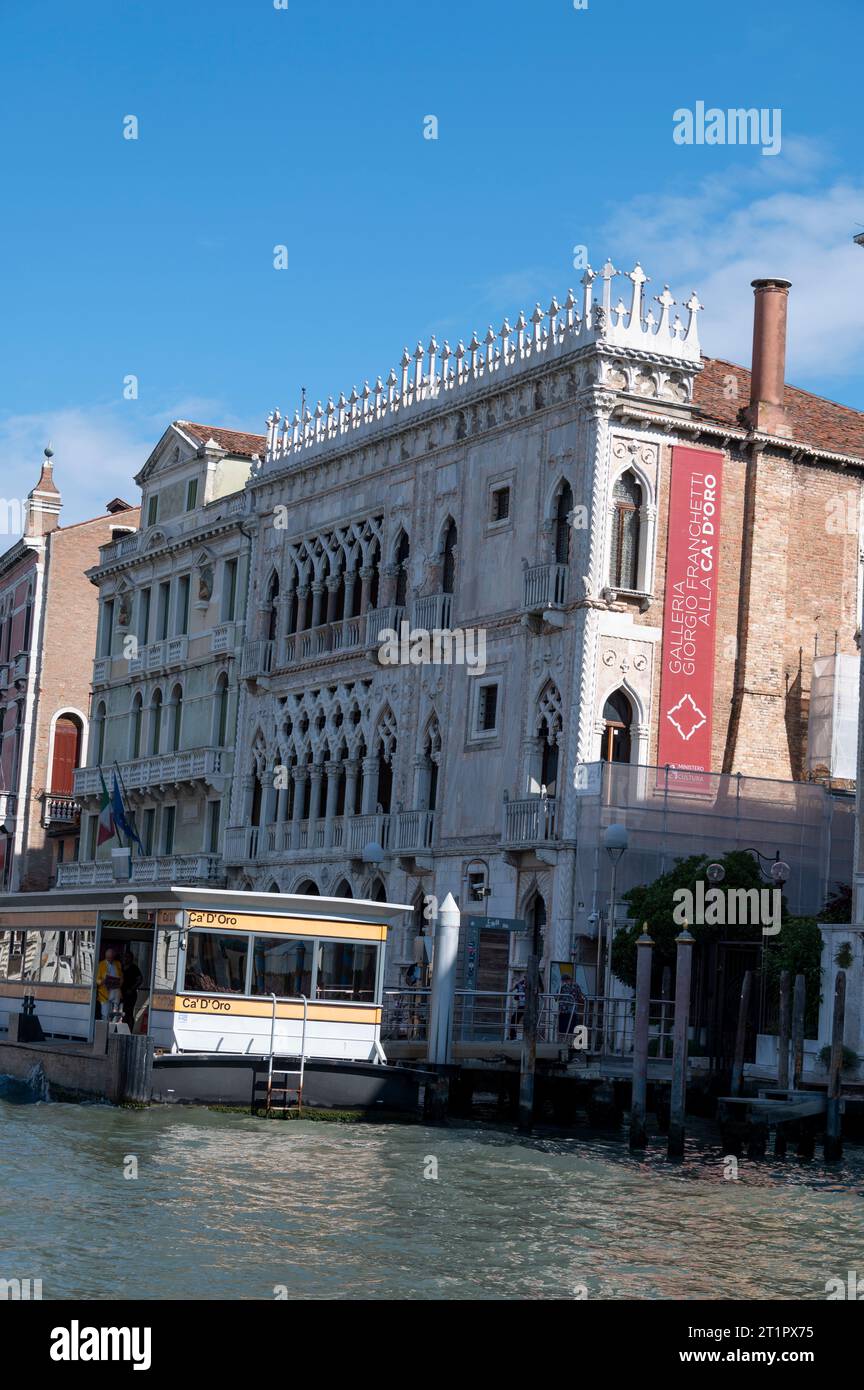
column 97, row 452
column 793, row 220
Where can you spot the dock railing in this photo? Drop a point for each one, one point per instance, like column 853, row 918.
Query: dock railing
column 591, row 1024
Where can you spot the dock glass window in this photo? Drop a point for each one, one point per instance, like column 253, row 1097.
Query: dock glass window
column 50, row 956
column 216, row 964
column 282, row 965
column 346, row 970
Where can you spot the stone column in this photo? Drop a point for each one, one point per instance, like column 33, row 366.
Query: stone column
column 366, row 575
column 352, row 767
column 302, row 607
column 370, row 786
column 334, row 772
column 316, row 773
column 387, row 586
column 317, row 592
column 333, row 583
column 299, row 775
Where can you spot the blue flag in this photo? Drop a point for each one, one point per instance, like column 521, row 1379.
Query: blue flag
column 121, row 820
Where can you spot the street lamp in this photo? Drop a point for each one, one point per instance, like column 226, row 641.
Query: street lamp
column 778, row 872
column 615, row 841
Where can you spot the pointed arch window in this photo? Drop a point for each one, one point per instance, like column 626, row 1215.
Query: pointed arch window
column 271, row 617
column 448, row 577
column 563, row 511
column 401, row 559
column 626, row 524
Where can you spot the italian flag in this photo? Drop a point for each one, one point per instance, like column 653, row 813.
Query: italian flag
column 106, row 820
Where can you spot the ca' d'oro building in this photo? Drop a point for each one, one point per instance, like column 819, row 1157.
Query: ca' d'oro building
column 541, row 484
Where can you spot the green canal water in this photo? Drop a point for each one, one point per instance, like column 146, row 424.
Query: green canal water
column 227, row 1206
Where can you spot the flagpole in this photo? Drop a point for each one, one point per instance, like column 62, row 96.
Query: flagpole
column 126, row 801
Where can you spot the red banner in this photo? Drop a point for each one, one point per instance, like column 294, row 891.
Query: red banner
column 690, row 614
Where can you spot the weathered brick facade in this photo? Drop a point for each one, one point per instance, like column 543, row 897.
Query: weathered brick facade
column 46, row 666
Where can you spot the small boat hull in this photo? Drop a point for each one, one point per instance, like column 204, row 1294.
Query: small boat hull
column 205, row 1079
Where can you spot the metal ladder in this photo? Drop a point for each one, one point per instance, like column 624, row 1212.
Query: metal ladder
column 300, row 1071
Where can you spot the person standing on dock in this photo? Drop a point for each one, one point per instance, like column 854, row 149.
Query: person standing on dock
column 109, row 981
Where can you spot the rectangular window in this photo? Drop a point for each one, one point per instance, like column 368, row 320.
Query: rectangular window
column 107, row 627
column 169, row 816
column 487, row 709
column 162, row 611
column 229, row 591
column 213, row 810
column 165, row 963
column 346, row 970
column 282, row 965
column 216, row 964
column 149, row 829
column 144, row 616
column 191, row 494
column 500, row 504
column 153, row 509
column 92, row 827
column 14, row 946
column 181, row 620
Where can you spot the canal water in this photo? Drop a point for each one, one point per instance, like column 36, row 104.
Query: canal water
column 227, row 1206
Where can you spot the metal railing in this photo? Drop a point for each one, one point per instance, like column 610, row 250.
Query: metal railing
column 590, row 1024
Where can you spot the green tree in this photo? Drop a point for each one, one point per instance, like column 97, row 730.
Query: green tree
column 654, row 903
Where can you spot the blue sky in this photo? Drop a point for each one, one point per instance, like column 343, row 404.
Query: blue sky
column 304, row 127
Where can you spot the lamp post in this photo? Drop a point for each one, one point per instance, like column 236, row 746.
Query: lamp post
column 778, row 871
column 615, row 841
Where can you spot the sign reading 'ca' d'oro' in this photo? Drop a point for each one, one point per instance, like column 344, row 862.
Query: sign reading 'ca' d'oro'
column 690, row 615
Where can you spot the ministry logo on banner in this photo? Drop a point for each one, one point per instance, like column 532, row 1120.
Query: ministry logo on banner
column 690, row 615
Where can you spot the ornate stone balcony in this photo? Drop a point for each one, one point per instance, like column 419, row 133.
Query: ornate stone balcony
column 59, row 811
column 432, row 612
column 404, row 832
column 530, row 822
column 544, row 586
column 208, row 766
column 168, row 868
column 157, row 657
column 263, row 656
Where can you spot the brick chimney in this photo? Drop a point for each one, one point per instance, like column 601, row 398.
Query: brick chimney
column 766, row 411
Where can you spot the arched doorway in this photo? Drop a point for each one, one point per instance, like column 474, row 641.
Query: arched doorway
column 616, row 739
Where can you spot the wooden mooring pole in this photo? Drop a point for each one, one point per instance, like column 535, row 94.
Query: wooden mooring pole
column 799, row 1004
column 644, row 949
column 783, row 1036
column 741, row 1034
column 833, row 1131
column 528, row 1056
column 678, row 1098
